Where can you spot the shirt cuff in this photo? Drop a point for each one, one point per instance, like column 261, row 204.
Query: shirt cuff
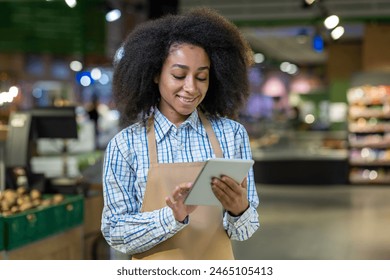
column 238, row 220
column 169, row 223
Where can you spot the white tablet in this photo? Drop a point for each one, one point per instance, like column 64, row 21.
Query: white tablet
column 201, row 193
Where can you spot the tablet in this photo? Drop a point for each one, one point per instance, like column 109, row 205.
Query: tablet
column 201, row 193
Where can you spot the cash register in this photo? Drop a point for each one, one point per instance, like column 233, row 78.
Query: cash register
column 24, row 129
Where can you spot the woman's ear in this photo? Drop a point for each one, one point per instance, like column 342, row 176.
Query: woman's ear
column 156, row 78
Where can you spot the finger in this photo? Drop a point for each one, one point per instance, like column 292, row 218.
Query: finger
column 189, row 185
column 221, row 195
column 181, row 192
column 176, row 193
column 185, row 189
column 169, row 202
column 231, row 183
column 222, row 187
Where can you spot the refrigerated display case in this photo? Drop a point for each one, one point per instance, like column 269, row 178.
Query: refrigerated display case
column 301, row 158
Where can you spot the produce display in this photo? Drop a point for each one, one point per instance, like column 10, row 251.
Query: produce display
column 19, row 200
column 27, row 215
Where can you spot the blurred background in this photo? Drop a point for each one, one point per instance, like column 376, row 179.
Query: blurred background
column 318, row 119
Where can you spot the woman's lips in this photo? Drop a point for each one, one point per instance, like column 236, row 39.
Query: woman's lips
column 186, row 99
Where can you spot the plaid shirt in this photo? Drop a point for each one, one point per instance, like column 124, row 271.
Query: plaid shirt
column 125, row 170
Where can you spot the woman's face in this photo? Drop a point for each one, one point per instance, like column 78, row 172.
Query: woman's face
column 183, row 81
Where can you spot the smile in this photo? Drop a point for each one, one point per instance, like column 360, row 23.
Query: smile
column 186, row 100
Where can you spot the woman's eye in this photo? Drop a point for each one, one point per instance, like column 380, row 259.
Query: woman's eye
column 178, row 77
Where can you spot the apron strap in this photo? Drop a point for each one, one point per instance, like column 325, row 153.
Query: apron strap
column 151, row 135
column 211, row 134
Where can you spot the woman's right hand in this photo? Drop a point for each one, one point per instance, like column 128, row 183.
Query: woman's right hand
column 176, row 202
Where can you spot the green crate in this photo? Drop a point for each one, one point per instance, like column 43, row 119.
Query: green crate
column 1, row 234
column 68, row 214
column 35, row 224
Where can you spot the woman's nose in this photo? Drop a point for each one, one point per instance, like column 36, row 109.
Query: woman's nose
column 189, row 84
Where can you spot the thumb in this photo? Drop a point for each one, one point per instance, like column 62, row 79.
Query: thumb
column 244, row 183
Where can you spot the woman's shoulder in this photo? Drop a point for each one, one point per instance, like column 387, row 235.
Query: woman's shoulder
column 224, row 122
column 130, row 134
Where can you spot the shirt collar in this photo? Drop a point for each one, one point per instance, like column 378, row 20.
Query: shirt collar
column 163, row 125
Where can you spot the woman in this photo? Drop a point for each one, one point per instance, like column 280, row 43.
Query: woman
column 177, row 78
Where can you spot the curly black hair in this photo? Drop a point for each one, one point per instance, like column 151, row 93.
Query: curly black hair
column 147, row 46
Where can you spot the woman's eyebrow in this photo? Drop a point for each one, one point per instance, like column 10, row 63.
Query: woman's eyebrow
column 186, row 67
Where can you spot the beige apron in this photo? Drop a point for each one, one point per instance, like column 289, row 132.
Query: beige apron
column 204, row 237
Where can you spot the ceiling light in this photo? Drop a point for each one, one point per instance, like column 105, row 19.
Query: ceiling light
column 113, row 15
column 258, row 57
column 71, row 3
column 307, row 3
column 331, row 21
column 309, row 119
column 85, row 81
column 337, row 32
column 289, row 68
column 76, row 65
column 285, row 66
column 8, row 96
column 293, row 69
column 96, row 74
column 104, row 79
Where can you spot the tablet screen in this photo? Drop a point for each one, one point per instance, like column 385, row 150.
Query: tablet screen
column 201, row 192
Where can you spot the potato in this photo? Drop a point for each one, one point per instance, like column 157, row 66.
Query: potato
column 6, row 213
column 10, row 196
column 35, row 194
column 15, row 209
column 36, row 202
column 25, row 206
column 46, row 202
column 58, row 198
column 5, row 205
column 21, row 190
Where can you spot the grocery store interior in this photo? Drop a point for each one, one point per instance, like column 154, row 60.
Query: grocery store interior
column 318, row 119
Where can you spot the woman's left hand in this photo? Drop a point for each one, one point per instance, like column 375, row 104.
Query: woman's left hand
column 231, row 194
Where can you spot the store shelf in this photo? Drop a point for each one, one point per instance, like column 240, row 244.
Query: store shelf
column 369, row 134
column 368, row 163
column 369, row 128
column 369, row 176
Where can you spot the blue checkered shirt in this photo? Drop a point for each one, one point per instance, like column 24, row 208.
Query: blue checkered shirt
column 125, row 170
